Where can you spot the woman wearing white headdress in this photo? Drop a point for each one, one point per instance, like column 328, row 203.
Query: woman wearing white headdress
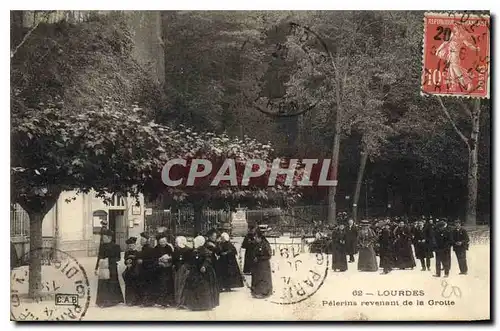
column 201, row 291
column 228, row 271
column 180, row 259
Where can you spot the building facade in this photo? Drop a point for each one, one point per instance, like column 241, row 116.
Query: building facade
column 74, row 223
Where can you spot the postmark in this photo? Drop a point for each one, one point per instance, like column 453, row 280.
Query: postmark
column 289, row 40
column 456, row 55
column 64, row 292
column 297, row 274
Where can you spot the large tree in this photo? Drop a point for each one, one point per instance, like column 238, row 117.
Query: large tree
column 74, row 123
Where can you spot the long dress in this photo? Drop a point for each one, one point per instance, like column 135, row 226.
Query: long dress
column 228, row 271
column 214, row 249
column 109, row 292
column 262, row 283
column 148, row 276
column 164, row 278
column 367, row 261
column 180, row 260
column 131, row 278
column 339, row 253
column 201, row 291
column 386, row 250
column 404, row 252
column 248, row 244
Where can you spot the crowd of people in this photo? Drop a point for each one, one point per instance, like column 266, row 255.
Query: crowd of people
column 392, row 241
column 158, row 273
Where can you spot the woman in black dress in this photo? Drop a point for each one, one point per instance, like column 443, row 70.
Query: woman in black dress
column 248, row 245
column 164, row 272
column 180, row 260
column 367, row 260
column 262, row 284
column 109, row 292
column 228, row 271
column 339, row 252
column 131, row 273
column 404, row 252
column 201, row 291
column 386, row 244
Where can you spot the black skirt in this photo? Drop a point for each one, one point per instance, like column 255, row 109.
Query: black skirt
column 262, row 283
column 201, row 291
column 228, row 272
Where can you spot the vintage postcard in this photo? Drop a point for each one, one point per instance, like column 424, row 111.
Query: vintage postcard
column 250, row 166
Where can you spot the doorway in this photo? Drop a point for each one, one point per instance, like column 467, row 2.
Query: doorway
column 117, row 224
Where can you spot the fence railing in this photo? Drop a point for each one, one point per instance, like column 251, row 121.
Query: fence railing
column 19, row 222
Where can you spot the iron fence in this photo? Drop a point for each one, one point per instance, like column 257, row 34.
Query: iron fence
column 19, row 222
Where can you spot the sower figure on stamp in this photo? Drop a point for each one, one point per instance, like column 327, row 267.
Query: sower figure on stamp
column 262, row 283
column 147, row 261
column 404, row 253
column 367, row 261
column 351, row 240
column 248, row 245
column 339, row 254
column 165, row 279
column 460, row 246
column 443, row 241
column 201, row 291
column 228, row 270
column 109, row 292
column 131, row 273
column 386, row 250
column 180, row 258
column 423, row 250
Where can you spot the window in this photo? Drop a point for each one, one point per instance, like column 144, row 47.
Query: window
column 99, row 217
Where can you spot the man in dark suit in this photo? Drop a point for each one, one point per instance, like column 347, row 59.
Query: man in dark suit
column 351, row 239
column 460, row 246
column 443, row 241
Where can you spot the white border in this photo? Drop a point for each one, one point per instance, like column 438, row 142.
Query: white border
column 206, row 4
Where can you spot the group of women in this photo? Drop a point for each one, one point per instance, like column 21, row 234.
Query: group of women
column 169, row 275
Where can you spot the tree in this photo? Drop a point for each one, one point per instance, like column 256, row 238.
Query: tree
column 472, row 144
column 74, row 125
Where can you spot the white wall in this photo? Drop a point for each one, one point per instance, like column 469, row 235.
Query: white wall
column 71, row 216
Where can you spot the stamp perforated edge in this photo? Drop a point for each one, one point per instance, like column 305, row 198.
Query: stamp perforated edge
column 447, row 15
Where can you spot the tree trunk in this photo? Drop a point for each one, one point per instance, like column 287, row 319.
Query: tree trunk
column 359, row 182
column 472, row 176
column 37, row 207
column 332, row 206
column 35, row 261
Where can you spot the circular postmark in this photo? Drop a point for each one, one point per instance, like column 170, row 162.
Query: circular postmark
column 297, row 274
column 62, row 295
column 292, row 45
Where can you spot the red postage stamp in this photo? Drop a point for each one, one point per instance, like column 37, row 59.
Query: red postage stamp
column 456, row 55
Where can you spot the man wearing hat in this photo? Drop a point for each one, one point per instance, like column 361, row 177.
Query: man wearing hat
column 443, row 241
column 351, row 239
column 460, row 246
